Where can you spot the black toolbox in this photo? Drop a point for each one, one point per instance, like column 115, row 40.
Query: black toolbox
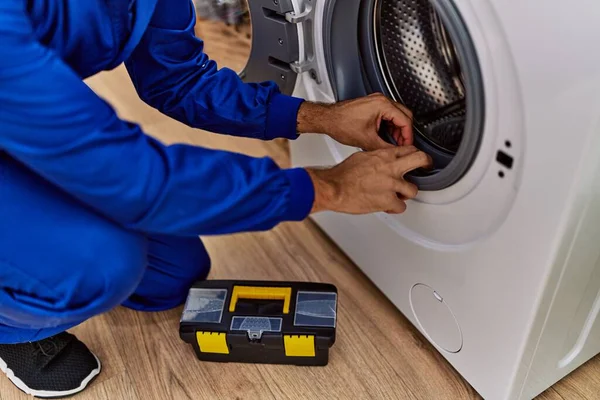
column 260, row 322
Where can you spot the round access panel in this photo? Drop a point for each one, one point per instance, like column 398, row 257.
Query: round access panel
column 435, row 318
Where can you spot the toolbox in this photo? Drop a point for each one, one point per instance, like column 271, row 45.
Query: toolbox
column 260, row 322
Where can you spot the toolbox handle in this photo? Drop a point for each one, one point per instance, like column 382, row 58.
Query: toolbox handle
column 261, row 293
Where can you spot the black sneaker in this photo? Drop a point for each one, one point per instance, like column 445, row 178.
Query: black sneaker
column 59, row 366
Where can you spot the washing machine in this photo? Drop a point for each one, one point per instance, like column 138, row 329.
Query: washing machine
column 497, row 261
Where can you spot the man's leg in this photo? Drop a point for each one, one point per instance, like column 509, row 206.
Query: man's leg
column 174, row 264
column 60, row 264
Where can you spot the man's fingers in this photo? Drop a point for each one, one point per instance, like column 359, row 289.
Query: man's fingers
column 405, row 190
column 399, row 116
column 396, row 206
column 395, row 152
column 400, row 121
column 381, row 144
column 397, row 135
column 411, row 162
column 402, row 118
column 404, row 110
column 404, row 151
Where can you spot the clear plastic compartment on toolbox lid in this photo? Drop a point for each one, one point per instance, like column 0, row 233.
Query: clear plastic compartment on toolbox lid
column 204, row 305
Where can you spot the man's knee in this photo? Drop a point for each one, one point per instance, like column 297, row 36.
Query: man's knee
column 114, row 271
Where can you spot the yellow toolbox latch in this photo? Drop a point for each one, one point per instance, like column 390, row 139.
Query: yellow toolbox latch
column 299, row 345
column 212, row 342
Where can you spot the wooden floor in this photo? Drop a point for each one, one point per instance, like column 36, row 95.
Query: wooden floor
column 378, row 354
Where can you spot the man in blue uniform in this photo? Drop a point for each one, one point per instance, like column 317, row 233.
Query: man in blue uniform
column 96, row 214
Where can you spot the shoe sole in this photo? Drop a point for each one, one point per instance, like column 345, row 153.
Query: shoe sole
column 46, row 394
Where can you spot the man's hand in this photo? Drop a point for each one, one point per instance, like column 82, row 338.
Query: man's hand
column 356, row 123
column 368, row 182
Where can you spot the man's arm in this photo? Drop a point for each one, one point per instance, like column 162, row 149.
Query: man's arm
column 172, row 73
column 54, row 124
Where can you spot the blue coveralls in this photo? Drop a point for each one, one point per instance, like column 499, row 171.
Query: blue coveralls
column 93, row 212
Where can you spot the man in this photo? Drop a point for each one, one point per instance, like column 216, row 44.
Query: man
column 96, row 214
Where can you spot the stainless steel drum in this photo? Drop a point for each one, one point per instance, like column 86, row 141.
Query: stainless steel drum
column 421, row 68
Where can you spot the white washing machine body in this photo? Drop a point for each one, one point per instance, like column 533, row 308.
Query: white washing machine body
column 501, row 269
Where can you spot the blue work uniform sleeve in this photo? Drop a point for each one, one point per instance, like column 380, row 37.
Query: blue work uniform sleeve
column 56, row 125
column 172, row 73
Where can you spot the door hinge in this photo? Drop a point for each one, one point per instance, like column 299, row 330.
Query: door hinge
column 309, row 64
column 294, row 18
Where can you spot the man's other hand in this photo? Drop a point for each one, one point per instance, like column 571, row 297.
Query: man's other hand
column 356, row 122
column 368, row 182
